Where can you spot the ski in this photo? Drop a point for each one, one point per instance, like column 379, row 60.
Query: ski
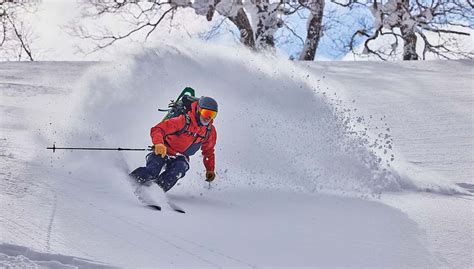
column 172, row 206
column 180, row 211
column 153, row 197
column 155, row 207
column 175, row 207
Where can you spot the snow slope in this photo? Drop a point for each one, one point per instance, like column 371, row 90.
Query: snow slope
column 298, row 181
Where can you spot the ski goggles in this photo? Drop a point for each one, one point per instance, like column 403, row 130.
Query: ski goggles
column 207, row 114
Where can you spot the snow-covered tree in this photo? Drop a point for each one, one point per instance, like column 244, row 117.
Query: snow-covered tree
column 256, row 20
column 436, row 25
column 314, row 28
column 232, row 10
column 15, row 35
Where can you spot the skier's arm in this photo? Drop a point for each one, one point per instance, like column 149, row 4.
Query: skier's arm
column 208, row 150
column 159, row 131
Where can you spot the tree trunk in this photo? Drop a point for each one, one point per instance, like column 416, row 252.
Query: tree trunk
column 408, row 33
column 243, row 24
column 263, row 40
column 314, row 31
column 268, row 21
column 409, row 44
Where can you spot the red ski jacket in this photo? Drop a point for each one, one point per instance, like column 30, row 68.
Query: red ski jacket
column 186, row 143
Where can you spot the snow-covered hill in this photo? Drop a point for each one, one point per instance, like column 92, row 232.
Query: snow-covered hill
column 314, row 163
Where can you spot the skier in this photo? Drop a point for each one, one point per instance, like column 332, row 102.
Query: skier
column 175, row 140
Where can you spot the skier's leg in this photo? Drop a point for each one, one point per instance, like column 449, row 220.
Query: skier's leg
column 154, row 164
column 175, row 169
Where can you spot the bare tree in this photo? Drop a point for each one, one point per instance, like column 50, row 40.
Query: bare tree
column 256, row 20
column 436, row 23
column 15, row 35
column 139, row 17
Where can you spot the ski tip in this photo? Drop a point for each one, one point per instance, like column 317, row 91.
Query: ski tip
column 155, row 207
column 180, row 211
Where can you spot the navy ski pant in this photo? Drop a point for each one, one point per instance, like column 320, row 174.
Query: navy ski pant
column 174, row 169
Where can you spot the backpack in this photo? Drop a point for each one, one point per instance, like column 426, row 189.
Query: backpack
column 182, row 106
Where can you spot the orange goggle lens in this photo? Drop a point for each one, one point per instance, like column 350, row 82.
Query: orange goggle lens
column 207, row 114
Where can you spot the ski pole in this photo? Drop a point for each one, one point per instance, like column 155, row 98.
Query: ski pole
column 54, row 148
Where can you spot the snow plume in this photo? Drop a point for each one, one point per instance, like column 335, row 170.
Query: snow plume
column 277, row 127
column 372, row 144
column 355, row 92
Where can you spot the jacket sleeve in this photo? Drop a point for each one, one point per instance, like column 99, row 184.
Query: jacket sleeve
column 208, row 150
column 159, row 131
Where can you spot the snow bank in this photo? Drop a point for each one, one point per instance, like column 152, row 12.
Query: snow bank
column 13, row 256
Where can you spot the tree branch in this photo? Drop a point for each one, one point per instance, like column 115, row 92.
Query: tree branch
column 20, row 38
column 445, row 31
column 114, row 38
column 372, row 38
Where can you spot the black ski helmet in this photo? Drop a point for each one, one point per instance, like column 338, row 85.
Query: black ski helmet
column 207, row 103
